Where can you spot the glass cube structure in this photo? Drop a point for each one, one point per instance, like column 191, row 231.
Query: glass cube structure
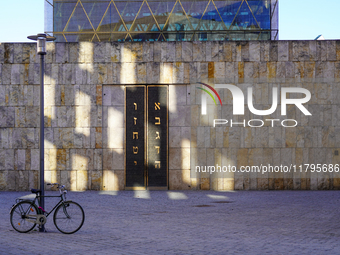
column 161, row 20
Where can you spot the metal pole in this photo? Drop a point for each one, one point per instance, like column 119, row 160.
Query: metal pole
column 41, row 50
column 42, row 169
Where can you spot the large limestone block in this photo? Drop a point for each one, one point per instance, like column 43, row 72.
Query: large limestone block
column 187, row 52
column 179, row 158
column 265, row 51
column 96, row 179
column 7, row 116
column 99, row 52
column 61, row 52
column 179, row 180
column 166, row 73
column 33, row 179
column 82, row 180
column 8, row 53
column 198, row 51
column 181, row 117
column 3, row 180
column 113, row 180
column 147, row 52
column 22, row 180
column 141, row 73
column 153, row 73
column 228, row 52
column 283, row 51
column 115, row 52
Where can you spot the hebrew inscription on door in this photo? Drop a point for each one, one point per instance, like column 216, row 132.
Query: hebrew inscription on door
column 146, row 156
column 157, row 136
column 135, row 138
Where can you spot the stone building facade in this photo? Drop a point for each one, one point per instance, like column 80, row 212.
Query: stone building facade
column 85, row 113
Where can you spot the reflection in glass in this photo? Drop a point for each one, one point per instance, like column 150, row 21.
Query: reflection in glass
column 162, row 20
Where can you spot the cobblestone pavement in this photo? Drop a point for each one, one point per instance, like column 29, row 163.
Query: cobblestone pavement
column 189, row 222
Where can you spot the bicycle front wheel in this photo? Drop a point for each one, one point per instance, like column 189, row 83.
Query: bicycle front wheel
column 23, row 216
column 69, row 217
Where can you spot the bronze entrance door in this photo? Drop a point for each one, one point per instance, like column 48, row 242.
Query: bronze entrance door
column 146, row 137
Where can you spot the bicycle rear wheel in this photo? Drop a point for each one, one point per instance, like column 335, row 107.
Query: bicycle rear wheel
column 23, row 216
column 69, row 217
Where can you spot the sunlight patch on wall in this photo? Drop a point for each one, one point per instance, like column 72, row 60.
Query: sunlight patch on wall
column 86, row 55
column 79, row 162
column 110, row 180
column 79, row 173
column 127, row 73
column 128, row 66
column 172, row 99
column 50, row 160
column 115, row 134
column 83, row 113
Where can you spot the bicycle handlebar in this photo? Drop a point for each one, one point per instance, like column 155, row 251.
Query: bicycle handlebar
column 59, row 186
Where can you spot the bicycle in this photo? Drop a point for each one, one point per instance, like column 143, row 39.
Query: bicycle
column 68, row 217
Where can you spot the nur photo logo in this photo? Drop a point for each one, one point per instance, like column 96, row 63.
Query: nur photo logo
column 239, row 104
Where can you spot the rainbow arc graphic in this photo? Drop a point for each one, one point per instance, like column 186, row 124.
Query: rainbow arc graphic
column 204, row 98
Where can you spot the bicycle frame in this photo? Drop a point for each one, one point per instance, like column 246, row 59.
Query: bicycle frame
column 60, row 202
column 62, row 197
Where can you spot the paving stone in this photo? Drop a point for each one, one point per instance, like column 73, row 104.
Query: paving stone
column 256, row 222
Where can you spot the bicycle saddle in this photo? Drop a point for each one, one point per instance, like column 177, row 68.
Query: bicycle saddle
column 35, row 191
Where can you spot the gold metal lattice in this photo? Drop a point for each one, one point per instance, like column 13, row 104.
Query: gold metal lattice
column 158, row 27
